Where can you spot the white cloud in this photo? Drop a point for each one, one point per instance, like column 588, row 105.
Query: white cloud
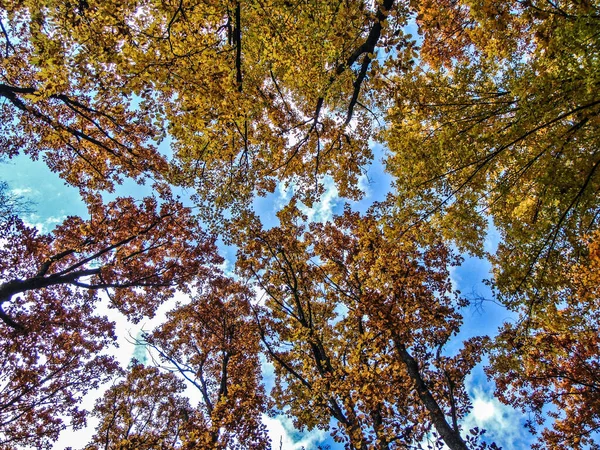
column 284, row 194
column 501, row 422
column 455, row 277
column 322, row 211
column 21, row 192
column 485, row 410
column 284, row 436
column 260, row 295
column 43, row 226
column 227, row 267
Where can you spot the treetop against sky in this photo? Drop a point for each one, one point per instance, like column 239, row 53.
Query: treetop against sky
column 310, row 197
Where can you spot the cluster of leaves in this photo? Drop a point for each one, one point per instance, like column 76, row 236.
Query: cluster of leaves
column 493, row 116
column 52, row 336
column 355, row 319
column 500, row 122
column 94, row 83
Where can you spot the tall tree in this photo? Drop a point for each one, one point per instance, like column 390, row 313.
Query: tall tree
column 51, row 335
column 500, row 121
column 355, row 320
column 213, row 343
column 137, row 254
column 550, row 366
column 145, row 411
column 250, row 93
column 47, row 371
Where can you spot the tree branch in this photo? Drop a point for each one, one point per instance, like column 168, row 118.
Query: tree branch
column 451, row 437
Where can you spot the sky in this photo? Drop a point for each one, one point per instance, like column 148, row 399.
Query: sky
column 53, row 201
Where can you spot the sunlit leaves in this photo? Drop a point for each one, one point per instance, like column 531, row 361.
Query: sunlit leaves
column 354, row 320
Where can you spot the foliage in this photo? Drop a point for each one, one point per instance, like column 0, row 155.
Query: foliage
column 52, row 336
column 144, row 411
column 490, row 120
column 355, row 319
column 86, row 131
column 46, row 372
column 125, row 249
column 550, row 360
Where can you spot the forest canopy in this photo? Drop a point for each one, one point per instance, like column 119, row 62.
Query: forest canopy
column 489, row 116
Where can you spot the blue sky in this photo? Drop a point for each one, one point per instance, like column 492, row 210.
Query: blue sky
column 53, row 201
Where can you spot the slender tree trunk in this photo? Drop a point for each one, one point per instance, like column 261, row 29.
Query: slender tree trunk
column 450, row 436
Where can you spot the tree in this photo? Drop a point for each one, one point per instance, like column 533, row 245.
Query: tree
column 213, row 343
column 355, row 319
column 552, row 369
column 248, row 93
column 501, row 122
column 51, row 335
column 144, row 411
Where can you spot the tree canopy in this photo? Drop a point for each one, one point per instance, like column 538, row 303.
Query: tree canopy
column 489, row 117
